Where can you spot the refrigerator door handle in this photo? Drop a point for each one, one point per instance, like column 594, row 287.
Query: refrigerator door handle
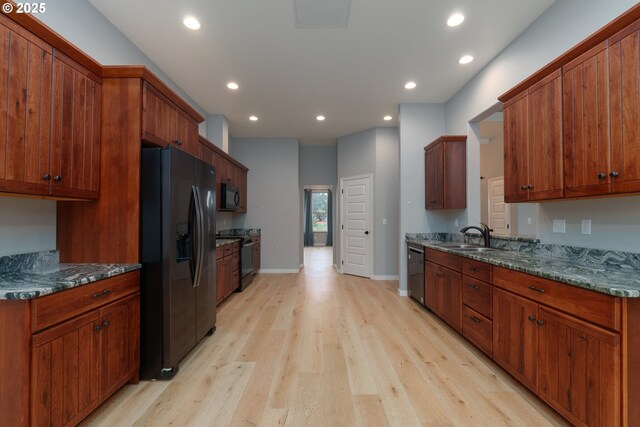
column 198, row 209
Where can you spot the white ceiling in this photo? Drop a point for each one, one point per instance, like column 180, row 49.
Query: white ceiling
column 288, row 76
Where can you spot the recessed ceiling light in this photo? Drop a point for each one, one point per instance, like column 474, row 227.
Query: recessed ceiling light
column 455, row 20
column 232, row 85
column 253, row 118
column 320, row 118
column 191, row 23
column 387, row 118
column 410, row 85
column 465, row 59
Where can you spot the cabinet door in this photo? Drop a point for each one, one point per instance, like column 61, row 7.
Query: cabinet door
column 579, row 369
column 207, row 156
column 516, row 151
column 434, row 158
column 585, row 110
column 75, row 141
column 545, row 139
column 515, row 336
column 624, row 86
column 120, row 334
column 451, row 288
column 220, row 279
column 159, row 118
column 25, row 113
column 187, row 135
column 432, row 288
column 218, row 164
column 256, row 258
column 241, row 182
column 66, row 372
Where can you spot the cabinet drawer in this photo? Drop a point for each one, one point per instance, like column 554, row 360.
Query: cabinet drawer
column 235, row 247
column 219, row 252
column 477, row 295
column 235, row 261
column 477, row 329
column 448, row 260
column 602, row 309
column 477, row 269
column 51, row 309
column 227, row 249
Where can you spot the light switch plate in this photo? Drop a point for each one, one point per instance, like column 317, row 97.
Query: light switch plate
column 559, row 226
column 456, row 222
column 384, row 221
column 586, row 226
column 529, row 221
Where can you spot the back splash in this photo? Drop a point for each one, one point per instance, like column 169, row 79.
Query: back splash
column 533, row 246
column 30, row 261
column 239, row 231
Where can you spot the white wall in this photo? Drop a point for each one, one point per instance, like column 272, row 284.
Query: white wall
column 376, row 151
column 29, row 225
column 420, row 124
column 564, row 24
column 218, row 131
column 273, row 195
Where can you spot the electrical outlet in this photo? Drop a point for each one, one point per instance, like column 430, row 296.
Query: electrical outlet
column 559, row 226
column 529, row 221
column 456, row 222
column 586, row 226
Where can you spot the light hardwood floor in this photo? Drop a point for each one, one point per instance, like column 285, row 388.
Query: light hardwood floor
column 321, row 349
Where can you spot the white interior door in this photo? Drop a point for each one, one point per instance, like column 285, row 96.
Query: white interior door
column 356, row 226
column 499, row 211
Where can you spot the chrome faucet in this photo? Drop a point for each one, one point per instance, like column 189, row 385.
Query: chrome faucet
column 485, row 231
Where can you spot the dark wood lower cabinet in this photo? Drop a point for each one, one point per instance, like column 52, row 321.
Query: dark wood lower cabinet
column 227, row 271
column 579, row 369
column 443, row 294
column 515, row 336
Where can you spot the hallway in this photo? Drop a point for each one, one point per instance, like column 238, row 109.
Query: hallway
column 319, row 348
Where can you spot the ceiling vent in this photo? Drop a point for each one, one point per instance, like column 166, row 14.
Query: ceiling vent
column 321, row 14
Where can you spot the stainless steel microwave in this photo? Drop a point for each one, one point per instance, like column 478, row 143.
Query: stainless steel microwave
column 230, row 199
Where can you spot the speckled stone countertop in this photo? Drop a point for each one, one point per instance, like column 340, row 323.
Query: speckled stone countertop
column 609, row 272
column 240, row 232
column 28, row 276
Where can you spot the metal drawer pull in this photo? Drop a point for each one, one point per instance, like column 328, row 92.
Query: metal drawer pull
column 101, row 294
column 471, row 285
column 473, row 318
column 540, row 322
column 533, row 288
column 106, row 324
column 476, row 269
column 438, row 275
column 97, row 328
column 532, row 318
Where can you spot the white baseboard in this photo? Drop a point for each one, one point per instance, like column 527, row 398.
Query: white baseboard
column 403, row 292
column 278, row 271
column 377, row 277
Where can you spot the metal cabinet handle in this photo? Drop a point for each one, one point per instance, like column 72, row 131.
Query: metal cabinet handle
column 57, row 178
column 532, row 318
column 523, row 187
column 106, row 324
column 530, row 187
column 614, row 174
column 46, row 177
column 476, row 269
column 602, row 175
column 474, row 286
column 177, row 142
column 103, row 293
column 533, row 288
column 438, row 275
column 473, row 318
column 97, row 328
column 540, row 323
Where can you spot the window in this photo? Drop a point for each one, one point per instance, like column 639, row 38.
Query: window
column 319, row 210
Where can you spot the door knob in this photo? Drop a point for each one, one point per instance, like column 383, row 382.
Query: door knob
column 366, row 232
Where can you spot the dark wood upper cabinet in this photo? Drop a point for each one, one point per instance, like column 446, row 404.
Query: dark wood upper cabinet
column 533, row 142
column 624, row 84
column 446, row 173
column 50, row 110
column 75, row 135
column 228, row 170
column 163, row 123
column 585, row 111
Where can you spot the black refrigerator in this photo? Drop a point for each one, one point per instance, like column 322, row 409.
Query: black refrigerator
column 178, row 244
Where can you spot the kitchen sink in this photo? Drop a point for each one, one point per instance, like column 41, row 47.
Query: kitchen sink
column 456, row 245
column 476, row 249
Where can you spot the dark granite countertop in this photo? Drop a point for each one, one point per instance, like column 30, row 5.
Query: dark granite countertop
column 621, row 280
column 51, row 278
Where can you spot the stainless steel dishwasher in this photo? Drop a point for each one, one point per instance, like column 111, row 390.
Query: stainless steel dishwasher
column 415, row 272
